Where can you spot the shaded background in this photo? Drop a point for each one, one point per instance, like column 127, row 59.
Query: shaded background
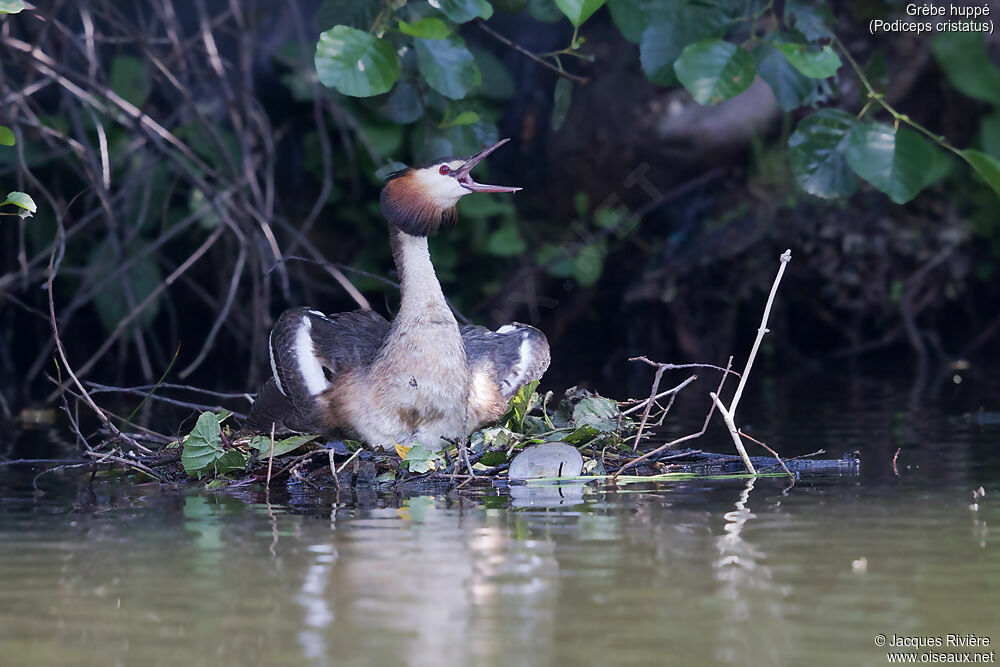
column 206, row 181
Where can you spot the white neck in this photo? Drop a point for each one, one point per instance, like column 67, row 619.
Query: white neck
column 420, row 290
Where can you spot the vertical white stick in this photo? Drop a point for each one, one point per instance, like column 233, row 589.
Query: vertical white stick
column 730, row 415
column 727, row 416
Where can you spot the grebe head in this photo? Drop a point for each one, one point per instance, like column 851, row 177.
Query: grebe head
column 418, row 200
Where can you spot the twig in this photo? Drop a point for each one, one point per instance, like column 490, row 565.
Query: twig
column 649, row 404
column 270, row 459
column 668, row 392
column 16, row 462
column 674, row 367
column 139, row 391
column 773, row 453
column 128, row 463
column 154, row 293
column 528, row 54
column 690, row 436
column 333, row 468
column 785, row 258
column 103, row 388
column 344, row 464
column 729, row 415
column 53, row 269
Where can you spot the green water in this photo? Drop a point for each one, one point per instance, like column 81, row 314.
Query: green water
column 688, row 573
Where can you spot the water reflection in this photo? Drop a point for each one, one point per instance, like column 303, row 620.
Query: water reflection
column 694, row 572
column 751, row 628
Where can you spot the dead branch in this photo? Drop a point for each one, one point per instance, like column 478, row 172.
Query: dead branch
column 729, row 415
column 674, row 443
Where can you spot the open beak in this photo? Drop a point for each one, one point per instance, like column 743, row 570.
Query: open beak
column 465, row 180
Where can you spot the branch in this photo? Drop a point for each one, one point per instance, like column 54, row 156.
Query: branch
column 729, row 415
column 528, row 54
column 690, row 436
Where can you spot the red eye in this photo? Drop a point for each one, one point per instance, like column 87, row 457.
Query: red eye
column 444, row 170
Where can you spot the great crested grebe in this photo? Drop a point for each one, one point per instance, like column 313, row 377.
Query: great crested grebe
column 420, row 379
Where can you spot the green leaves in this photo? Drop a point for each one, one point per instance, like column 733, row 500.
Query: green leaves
column 817, row 151
column 461, row 11
column 6, row 136
column 713, row 70
column 142, row 278
column 600, row 414
column 629, row 18
column 506, row 241
column 667, row 36
column 21, row 200
column 520, row 405
column 813, row 64
column 830, row 146
column 203, row 449
column 262, row 444
column 448, row 66
column 962, row 56
column 791, row 88
column 892, row 161
column 986, row 166
column 809, row 18
column 356, row 63
column 11, row 6
column 578, row 11
column 404, row 104
column 464, row 118
column 418, row 458
column 130, row 80
column 425, row 28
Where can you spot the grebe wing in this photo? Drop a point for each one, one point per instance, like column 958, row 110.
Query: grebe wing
column 512, row 356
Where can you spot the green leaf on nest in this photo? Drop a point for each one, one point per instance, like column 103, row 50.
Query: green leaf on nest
column 600, row 414
column 420, row 459
column 262, row 444
column 203, row 445
column 520, row 405
column 6, row 136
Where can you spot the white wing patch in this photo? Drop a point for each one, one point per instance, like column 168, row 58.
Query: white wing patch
column 274, row 368
column 507, row 328
column 309, row 366
column 526, row 359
